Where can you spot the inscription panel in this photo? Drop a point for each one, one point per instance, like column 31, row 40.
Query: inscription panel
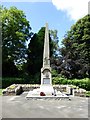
column 46, row 80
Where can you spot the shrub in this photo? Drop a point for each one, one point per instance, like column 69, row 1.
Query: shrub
column 82, row 83
column 9, row 81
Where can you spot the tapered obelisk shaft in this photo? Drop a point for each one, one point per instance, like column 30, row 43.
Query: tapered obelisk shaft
column 46, row 69
column 46, row 60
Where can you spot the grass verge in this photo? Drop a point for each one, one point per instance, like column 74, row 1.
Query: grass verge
column 0, row 92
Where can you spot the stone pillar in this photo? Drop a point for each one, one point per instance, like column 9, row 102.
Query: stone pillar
column 46, row 69
column 46, row 59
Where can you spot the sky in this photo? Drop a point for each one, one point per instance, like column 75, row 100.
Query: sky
column 60, row 14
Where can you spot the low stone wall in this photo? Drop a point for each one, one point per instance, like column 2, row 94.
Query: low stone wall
column 29, row 87
column 26, row 87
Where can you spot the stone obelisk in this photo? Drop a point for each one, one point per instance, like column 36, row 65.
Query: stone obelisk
column 46, row 59
column 46, row 79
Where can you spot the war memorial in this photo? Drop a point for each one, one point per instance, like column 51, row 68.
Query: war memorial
column 45, row 100
column 46, row 89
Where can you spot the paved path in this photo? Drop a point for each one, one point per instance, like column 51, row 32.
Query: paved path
column 19, row 107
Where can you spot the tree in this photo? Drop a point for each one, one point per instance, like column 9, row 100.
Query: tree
column 55, row 39
column 15, row 33
column 35, row 54
column 76, row 50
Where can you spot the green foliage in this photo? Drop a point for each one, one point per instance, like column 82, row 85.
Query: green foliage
column 9, row 69
column 88, row 93
column 54, row 73
column 76, row 50
column 82, row 83
column 0, row 92
column 23, row 80
column 35, row 54
column 9, row 81
column 55, row 39
column 15, row 33
column 18, row 61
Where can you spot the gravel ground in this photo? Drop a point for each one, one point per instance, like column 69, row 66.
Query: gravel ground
column 20, row 107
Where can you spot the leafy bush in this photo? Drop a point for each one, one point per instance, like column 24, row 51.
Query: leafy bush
column 82, row 83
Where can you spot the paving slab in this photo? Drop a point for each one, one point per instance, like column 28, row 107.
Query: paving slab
column 20, row 107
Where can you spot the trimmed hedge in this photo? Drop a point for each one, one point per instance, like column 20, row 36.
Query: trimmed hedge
column 82, row 83
column 9, row 81
column 6, row 81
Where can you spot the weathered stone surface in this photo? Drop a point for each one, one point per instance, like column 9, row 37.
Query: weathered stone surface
column 46, row 69
column 19, row 90
column 30, row 87
column 4, row 91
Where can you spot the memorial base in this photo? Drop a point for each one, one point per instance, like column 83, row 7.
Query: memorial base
column 47, row 89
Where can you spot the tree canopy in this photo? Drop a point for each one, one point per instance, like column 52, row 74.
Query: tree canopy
column 76, row 50
column 72, row 60
column 35, row 52
column 15, row 33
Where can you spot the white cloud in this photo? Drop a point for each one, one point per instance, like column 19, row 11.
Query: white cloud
column 75, row 9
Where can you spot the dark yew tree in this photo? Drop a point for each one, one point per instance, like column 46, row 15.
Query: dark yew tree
column 35, row 54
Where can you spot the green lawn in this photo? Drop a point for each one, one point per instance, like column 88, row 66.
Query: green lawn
column 1, row 92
